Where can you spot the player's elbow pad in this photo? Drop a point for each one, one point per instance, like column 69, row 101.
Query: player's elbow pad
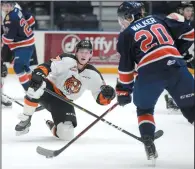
column 42, row 69
column 102, row 100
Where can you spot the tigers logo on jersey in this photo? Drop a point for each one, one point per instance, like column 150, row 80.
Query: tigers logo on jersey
column 72, row 85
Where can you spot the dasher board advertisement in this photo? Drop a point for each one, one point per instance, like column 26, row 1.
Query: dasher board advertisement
column 104, row 45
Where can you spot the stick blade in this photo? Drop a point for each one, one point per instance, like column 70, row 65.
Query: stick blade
column 158, row 134
column 45, row 152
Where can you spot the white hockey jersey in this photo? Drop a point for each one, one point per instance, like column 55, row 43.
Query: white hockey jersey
column 71, row 81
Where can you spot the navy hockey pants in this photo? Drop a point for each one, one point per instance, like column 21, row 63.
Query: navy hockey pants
column 178, row 81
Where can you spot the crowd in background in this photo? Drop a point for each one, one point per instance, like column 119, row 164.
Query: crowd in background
column 78, row 15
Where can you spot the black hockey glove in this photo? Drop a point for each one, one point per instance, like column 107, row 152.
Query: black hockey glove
column 36, row 79
column 108, row 92
column 4, row 71
column 188, row 57
column 123, row 95
column 106, row 95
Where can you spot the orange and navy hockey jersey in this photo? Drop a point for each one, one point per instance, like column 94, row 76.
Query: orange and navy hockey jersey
column 17, row 27
column 150, row 40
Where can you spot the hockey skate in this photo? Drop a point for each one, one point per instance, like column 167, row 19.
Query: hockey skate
column 5, row 102
column 50, row 124
column 23, row 127
column 150, row 149
column 170, row 104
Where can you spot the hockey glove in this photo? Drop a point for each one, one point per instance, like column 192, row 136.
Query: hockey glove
column 108, row 92
column 123, row 95
column 36, row 79
column 188, row 57
column 106, row 95
column 4, row 71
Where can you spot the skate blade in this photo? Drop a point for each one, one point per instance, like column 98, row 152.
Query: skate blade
column 19, row 133
column 153, row 162
column 3, row 106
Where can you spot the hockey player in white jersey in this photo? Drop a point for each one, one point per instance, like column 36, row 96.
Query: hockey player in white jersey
column 67, row 75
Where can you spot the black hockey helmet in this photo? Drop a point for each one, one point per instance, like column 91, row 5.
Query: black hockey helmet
column 8, row 2
column 130, row 9
column 181, row 9
column 185, row 4
column 84, row 44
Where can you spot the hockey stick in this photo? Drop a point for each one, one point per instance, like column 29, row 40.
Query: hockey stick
column 12, row 99
column 53, row 153
column 157, row 134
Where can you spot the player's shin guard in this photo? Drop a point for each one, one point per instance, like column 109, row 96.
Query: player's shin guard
column 146, row 125
column 24, row 80
column 147, row 129
column 23, row 126
column 28, row 72
column 64, row 131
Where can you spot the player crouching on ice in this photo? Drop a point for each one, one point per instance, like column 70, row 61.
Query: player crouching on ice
column 68, row 75
column 155, row 44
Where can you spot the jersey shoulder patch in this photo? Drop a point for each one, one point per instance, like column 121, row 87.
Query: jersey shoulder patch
column 176, row 16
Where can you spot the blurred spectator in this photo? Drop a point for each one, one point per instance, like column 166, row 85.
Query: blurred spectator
column 164, row 7
column 186, row 9
column 75, row 15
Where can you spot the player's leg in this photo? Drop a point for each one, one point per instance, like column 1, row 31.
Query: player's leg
column 34, row 59
column 64, row 121
column 6, row 56
column 145, row 95
column 63, row 114
column 4, row 101
column 170, row 103
column 28, row 70
column 31, row 100
column 181, row 88
column 32, row 64
column 21, row 62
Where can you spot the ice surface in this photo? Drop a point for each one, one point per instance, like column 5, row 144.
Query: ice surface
column 102, row 146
